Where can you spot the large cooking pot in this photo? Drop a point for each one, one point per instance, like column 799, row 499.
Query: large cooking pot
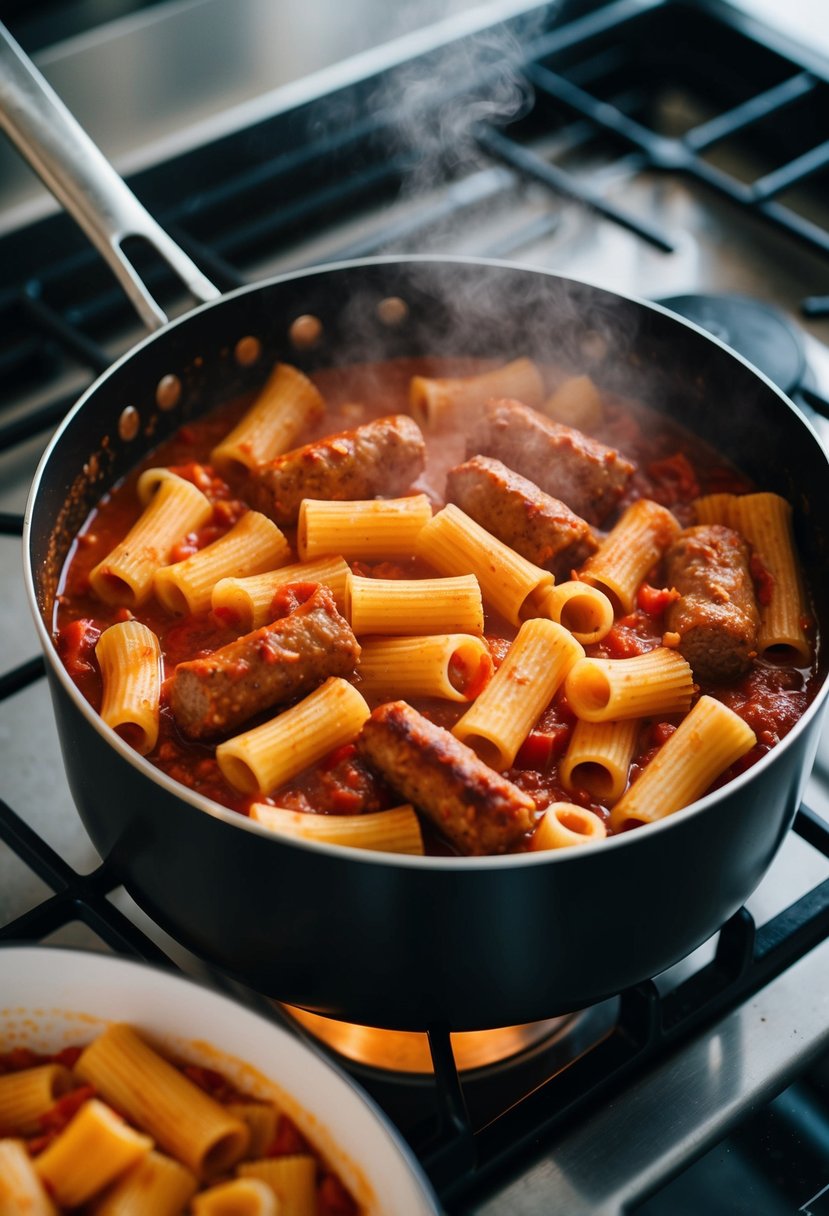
column 408, row 942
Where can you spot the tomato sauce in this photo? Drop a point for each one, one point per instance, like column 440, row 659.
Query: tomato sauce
column 672, row 467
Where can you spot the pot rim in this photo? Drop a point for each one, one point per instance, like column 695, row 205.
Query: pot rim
column 345, row 852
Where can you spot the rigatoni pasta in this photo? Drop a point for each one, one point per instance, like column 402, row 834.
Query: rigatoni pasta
column 182, row 1119
column 702, row 747
column 249, row 601
column 392, row 606
column 394, row 831
column 253, row 545
column 656, row 683
column 103, row 1155
column 269, row 755
column 452, row 666
column 454, row 544
column 501, row 718
column 435, row 400
column 371, row 530
column 598, row 758
column 129, row 656
column 287, row 404
column 634, row 545
column 565, row 825
column 172, row 508
column 584, row 610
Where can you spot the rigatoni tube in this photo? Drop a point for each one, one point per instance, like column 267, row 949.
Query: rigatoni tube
column 604, row 690
column 129, row 656
column 393, row 831
column 392, row 605
column 21, row 1190
column 453, row 543
column 271, row 754
column 92, row 1150
column 598, row 758
column 26, row 1094
column 157, row 1185
column 582, row 609
column 435, row 400
column 628, row 552
column 287, row 403
column 368, row 529
column 702, row 747
column 172, row 508
column 536, row 664
column 565, row 825
column 184, row 1120
column 249, row 601
column 253, row 545
column 453, row 666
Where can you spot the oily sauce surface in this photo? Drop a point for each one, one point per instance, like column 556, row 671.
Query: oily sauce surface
column 673, row 468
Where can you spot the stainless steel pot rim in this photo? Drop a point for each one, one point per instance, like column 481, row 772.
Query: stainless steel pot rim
column 364, row 856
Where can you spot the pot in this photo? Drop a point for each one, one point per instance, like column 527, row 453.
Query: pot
column 56, row 998
column 414, row 942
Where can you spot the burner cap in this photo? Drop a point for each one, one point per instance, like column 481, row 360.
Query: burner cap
column 759, row 332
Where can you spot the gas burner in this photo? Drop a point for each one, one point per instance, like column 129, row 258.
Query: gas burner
column 407, row 1051
column 759, row 332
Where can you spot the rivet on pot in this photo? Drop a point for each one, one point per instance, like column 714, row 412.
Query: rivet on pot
column 305, row 331
column 247, row 350
column 392, row 311
column 128, row 423
column 168, row 392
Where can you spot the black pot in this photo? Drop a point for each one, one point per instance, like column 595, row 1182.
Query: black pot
column 408, row 942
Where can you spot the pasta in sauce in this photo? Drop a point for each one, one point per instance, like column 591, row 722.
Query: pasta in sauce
column 553, row 762
column 118, row 1128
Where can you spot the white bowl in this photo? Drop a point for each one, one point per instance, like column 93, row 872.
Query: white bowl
column 53, row 998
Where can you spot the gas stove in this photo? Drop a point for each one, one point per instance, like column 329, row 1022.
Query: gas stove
column 671, row 149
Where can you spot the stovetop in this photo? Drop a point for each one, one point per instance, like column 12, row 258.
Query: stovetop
column 662, row 148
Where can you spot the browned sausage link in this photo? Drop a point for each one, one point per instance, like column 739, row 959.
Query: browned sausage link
column 473, row 806
column 716, row 615
column 382, row 457
column 512, row 508
column 582, row 472
column 268, row 667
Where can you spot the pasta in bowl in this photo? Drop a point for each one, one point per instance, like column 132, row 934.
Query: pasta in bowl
column 215, row 1105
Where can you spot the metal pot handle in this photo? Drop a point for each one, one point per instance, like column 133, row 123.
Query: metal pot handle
column 84, row 181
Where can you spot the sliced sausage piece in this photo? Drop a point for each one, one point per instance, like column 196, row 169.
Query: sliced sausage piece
column 275, row 664
column 534, row 524
column 716, row 615
column 382, row 457
column 587, row 475
column 473, row 806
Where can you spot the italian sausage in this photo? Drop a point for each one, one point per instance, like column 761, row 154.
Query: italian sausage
column 477, row 809
column 383, row 457
column 586, row 475
column 270, row 666
column 539, row 527
column 716, row 615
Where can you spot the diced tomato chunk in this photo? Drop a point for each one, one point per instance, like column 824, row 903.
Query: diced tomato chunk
column 76, row 643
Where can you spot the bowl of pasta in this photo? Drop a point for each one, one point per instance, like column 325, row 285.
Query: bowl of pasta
column 218, row 1109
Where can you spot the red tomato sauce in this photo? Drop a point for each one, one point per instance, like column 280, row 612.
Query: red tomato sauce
column 673, row 468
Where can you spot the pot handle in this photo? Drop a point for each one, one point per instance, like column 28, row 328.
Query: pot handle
column 83, row 180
